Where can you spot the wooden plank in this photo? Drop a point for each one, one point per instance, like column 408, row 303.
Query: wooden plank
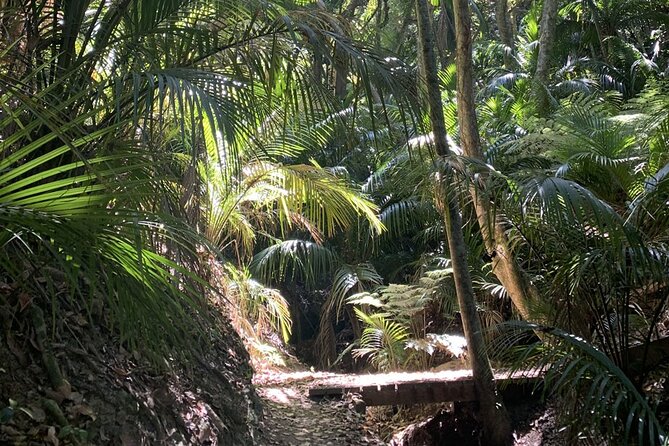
column 404, row 393
column 425, row 391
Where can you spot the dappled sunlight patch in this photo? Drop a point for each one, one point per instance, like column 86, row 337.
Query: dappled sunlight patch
column 327, row 379
column 379, row 379
column 273, row 377
column 264, row 356
column 456, row 345
column 281, row 395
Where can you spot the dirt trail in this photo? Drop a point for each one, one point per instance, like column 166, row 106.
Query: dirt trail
column 291, row 418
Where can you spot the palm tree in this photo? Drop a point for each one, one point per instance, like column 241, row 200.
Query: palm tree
column 622, row 34
column 546, row 43
column 600, row 250
column 506, row 34
column 98, row 106
column 497, row 429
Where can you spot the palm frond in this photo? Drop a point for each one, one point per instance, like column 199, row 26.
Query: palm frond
column 571, row 364
column 294, row 259
column 382, row 341
column 256, row 310
column 347, row 278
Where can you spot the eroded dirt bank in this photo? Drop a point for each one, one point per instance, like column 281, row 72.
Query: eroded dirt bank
column 112, row 396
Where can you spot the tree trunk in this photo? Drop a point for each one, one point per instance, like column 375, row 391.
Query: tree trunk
column 505, row 33
column 601, row 36
column 341, row 73
column 406, row 21
column 317, row 67
column 546, row 42
column 444, row 34
column 522, row 293
column 493, row 415
column 341, row 62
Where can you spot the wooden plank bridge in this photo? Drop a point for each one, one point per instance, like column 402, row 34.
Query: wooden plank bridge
column 421, row 387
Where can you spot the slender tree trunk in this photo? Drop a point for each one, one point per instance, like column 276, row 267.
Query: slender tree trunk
column 406, row 21
column 341, row 74
column 341, row 62
column 522, row 293
column 546, row 43
column 444, row 34
column 493, row 415
column 505, row 33
column 600, row 34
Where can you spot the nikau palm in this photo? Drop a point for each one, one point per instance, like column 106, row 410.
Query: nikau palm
column 601, row 271
column 149, row 76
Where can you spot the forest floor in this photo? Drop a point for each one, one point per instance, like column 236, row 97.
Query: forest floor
column 291, row 418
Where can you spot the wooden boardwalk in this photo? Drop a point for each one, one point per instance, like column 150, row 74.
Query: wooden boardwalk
column 421, row 387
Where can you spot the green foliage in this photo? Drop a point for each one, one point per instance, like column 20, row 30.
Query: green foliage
column 255, row 310
column 73, row 216
column 295, row 259
column 576, row 227
column 139, row 139
column 382, row 341
column 122, row 125
column 397, row 317
column 346, row 279
column 588, row 378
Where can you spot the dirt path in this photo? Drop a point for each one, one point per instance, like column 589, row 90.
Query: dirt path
column 292, row 419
